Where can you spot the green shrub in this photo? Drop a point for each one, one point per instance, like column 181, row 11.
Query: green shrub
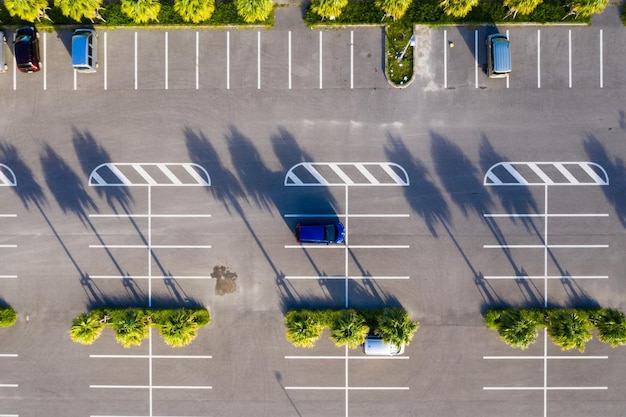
column 395, row 326
column 349, row 328
column 303, row 328
column 86, row 329
column 611, row 327
column 8, row 317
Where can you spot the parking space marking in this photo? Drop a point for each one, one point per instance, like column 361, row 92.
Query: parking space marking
column 445, row 59
column 601, row 59
column 340, row 277
column 166, row 60
column 538, row 58
column 545, row 174
column 351, row 59
column 105, row 52
column 517, row 277
column 476, row 61
column 569, row 56
column 289, row 59
column 45, row 61
column 14, row 65
column 507, row 74
column 320, row 60
column 135, row 60
column 373, row 215
column 197, row 60
column 228, row 60
column 150, row 277
column 258, row 60
column 369, row 358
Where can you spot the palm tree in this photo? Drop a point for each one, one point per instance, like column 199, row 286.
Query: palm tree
column 131, row 328
column 395, row 327
column 303, row 328
column 28, row 10
column 328, row 9
column 457, row 8
column 517, row 328
column 8, row 317
column 349, row 328
column 79, row 9
column 393, row 8
column 141, row 11
column 178, row 328
column 521, row 6
column 195, row 11
column 86, row 329
column 612, row 327
column 254, row 10
column 570, row 329
column 586, row 8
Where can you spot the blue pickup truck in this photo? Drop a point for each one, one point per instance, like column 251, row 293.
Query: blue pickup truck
column 320, row 233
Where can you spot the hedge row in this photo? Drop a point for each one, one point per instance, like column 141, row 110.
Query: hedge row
column 349, row 326
column 8, row 317
column 568, row 328
column 225, row 14
column 130, row 325
column 429, row 12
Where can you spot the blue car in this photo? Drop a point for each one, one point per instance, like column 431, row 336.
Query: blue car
column 320, row 233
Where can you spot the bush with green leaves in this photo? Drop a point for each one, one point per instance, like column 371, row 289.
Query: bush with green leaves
column 393, row 8
column 8, row 317
column 195, row 11
column 516, row 327
column 586, row 8
column 611, row 325
column 28, row 10
column 254, row 10
column 328, row 9
column 457, row 8
column 141, row 11
column 80, row 9
column 349, row 327
column 178, row 327
column 570, row 329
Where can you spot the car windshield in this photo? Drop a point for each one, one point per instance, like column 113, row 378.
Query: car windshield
column 329, row 233
column 23, row 38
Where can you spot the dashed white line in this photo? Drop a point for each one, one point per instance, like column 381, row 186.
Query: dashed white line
column 350, row 388
column 8, row 355
column 150, row 277
column 542, row 388
column 519, row 277
column 349, row 246
column 75, row 80
column 14, row 66
column 175, row 387
column 145, row 246
column 153, row 356
column 7, row 277
column 512, row 215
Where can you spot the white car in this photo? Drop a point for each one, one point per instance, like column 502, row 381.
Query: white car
column 374, row 345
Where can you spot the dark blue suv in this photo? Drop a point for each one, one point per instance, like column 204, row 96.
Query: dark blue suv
column 27, row 49
column 320, row 233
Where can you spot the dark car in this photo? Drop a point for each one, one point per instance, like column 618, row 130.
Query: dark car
column 27, row 49
column 320, row 233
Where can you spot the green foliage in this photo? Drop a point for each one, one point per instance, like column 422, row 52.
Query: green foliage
column 612, row 327
column 586, row 8
column 254, row 10
column 521, row 6
column 79, row 9
column 395, row 326
column 349, row 328
column 27, row 10
column 8, row 317
column 399, row 71
column 570, row 329
column 177, row 326
column 303, row 328
column 194, row 11
column 141, row 11
column 393, row 8
column 328, row 9
column 457, row 8
column 86, row 328
column 517, row 327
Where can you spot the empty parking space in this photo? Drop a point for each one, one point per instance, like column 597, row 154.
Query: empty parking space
column 367, row 57
column 151, row 60
column 214, row 59
column 182, row 64
column 244, row 59
column 305, row 59
column 120, row 59
column 275, row 59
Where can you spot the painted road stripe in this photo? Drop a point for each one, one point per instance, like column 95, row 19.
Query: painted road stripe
column 351, row 59
column 7, row 277
column 305, row 277
column 569, row 49
column 543, row 388
column 544, row 246
column 9, row 385
column 175, row 387
column 545, row 277
column 445, row 59
column 142, row 172
column 105, row 61
column 166, row 61
column 507, row 74
column 197, row 60
column 75, row 87
column 349, row 246
column 289, row 58
column 150, row 246
column 344, row 215
column 135, row 60
column 135, row 216
column 476, row 59
column 14, row 66
column 350, row 357
column 350, row 388
column 153, row 356
column 8, row 215
column 134, row 277
column 228, row 60
column 601, row 60
column 346, row 179
column 320, row 60
column 538, row 58
column 169, row 174
column 45, row 61
column 8, row 246
column 549, row 215
column 8, row 355
column 542, row 357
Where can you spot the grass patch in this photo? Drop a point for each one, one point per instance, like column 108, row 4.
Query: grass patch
column 399, row 52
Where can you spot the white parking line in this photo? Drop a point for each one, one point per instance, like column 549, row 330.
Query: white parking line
column 150, row 277
column 135, row 60
column 45, row 61
column 166, row 61
column 197, row 60
column 8, row 246
column 139, row 216
column 148, row 246
column 289, row 57
column 9, row 385
column 507, row 75
column 363, row 277
column 369, row 358
column 175, row 387
column 350, row 388
column 541, row 357
column 75, row 79
column 228, row 60
column 476, row 60
column 513, row 215
column 538, row 58
column 601, row 60
column 14, row 66
column 105, row 61
column 542, row 389
column 445, row 59
column 546, row 246
column 347, row 246
column 351, row 215
column 569, row 51
column 8, row 355
column 153, row 356
column 8, row 277
column 517, row 277
column 258, row 60
column 320, row 60
column 351, row 59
